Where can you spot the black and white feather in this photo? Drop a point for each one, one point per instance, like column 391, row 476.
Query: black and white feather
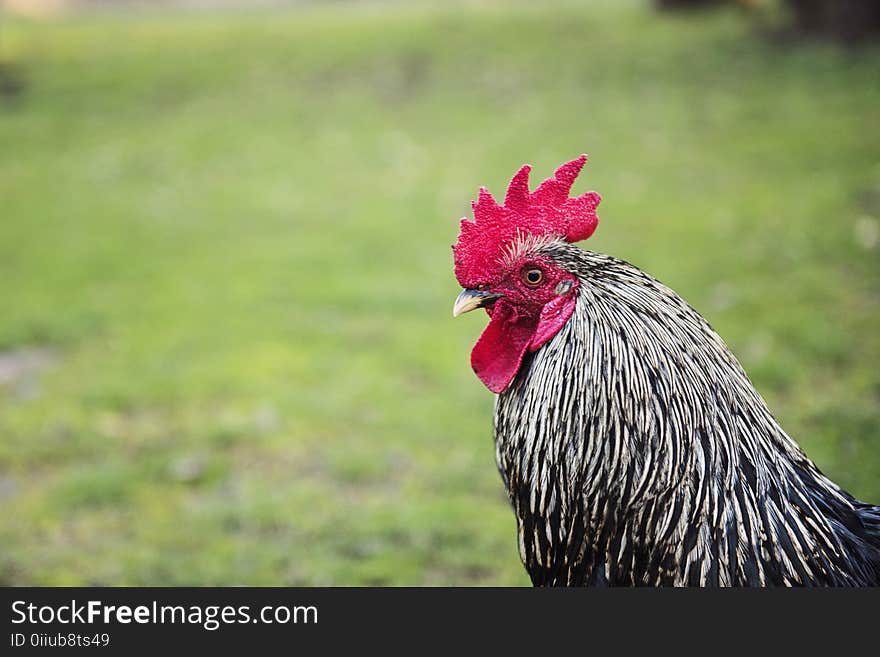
column 636, row 451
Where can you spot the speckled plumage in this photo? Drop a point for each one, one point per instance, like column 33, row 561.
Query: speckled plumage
column 635, row 451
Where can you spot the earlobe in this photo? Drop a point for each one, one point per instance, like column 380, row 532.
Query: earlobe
column 563, row 287
column 554, row 315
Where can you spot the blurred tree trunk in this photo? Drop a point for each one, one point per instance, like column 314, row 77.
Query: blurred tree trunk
column 847, row 20
column 685, row 4
column 11, row 80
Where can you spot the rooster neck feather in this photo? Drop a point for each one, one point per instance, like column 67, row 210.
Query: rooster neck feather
column 635, row 450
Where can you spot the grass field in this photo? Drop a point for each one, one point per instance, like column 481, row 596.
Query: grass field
column 226, row 279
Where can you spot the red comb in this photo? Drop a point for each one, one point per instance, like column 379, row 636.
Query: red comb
column 546, row 211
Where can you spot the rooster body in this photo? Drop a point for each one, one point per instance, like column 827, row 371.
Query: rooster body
column 635, row 451
column 633, row 447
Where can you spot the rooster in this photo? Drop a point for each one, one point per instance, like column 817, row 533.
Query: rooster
column 633, row 447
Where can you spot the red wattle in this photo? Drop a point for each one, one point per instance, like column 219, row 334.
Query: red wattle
column 499, row 352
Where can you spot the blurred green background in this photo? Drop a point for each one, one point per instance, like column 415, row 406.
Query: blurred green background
column 226, row 348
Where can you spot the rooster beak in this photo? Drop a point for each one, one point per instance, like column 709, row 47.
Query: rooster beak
column 470, row 300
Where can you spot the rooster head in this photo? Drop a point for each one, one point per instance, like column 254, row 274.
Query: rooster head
column 498, row 263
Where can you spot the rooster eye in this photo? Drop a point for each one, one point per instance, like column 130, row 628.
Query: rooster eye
column 533, row 276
